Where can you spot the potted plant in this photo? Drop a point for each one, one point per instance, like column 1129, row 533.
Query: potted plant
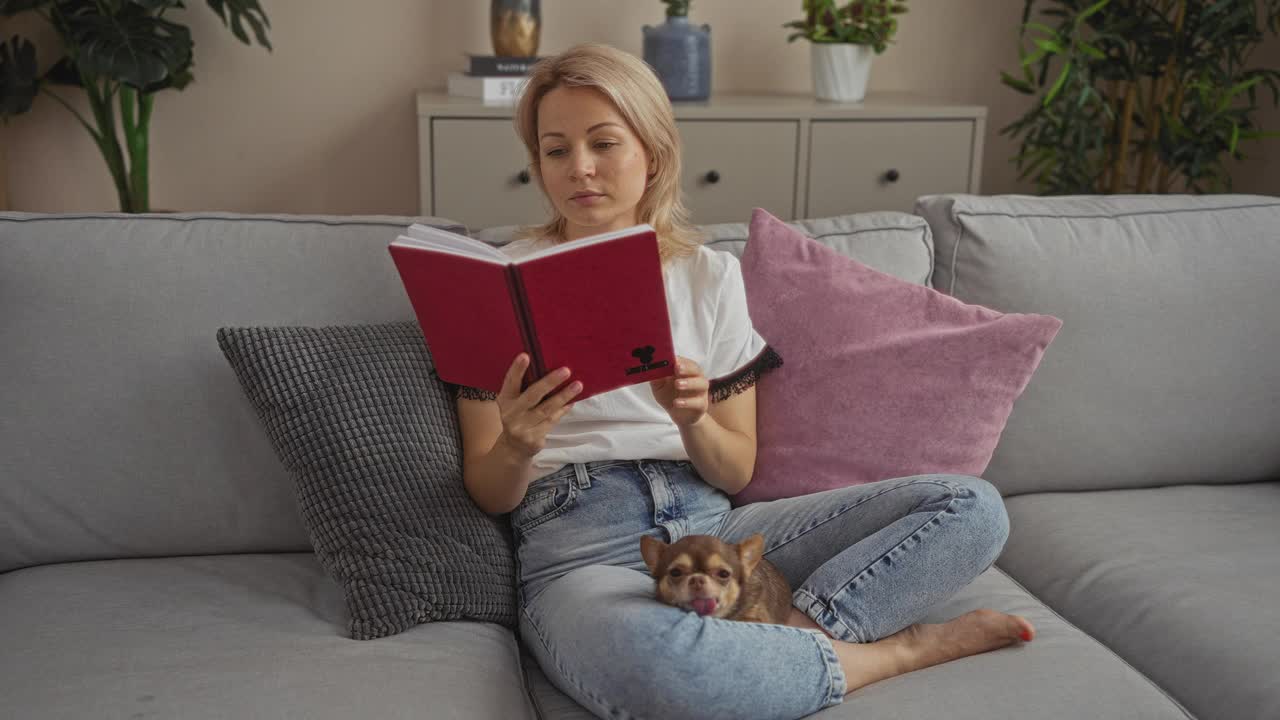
column 121, row 53
column 844, row 38
column 1140, row 97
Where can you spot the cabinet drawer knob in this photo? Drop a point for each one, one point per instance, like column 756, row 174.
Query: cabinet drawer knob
column 713, row 177
column 892, row 175
column 524, row 177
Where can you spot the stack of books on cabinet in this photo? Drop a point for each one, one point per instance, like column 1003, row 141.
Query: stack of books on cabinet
column 492, row 78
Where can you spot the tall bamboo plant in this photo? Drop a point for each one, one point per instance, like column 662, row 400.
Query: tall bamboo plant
column 121, row 53
column 1140, row 96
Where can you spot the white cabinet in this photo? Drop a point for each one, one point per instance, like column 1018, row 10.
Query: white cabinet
column 791, row 155
column 732, row 166
column 860, row 165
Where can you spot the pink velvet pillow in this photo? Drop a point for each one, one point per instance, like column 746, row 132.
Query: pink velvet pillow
column 881, row 378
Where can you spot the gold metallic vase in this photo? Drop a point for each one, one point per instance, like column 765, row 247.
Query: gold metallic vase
column 515, row 26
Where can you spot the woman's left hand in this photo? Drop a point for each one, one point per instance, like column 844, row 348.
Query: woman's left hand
column 684, row 396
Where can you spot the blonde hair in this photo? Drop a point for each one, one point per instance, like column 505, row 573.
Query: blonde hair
column 639, row 97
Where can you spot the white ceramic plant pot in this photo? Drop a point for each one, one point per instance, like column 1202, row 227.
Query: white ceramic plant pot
column 840, row 71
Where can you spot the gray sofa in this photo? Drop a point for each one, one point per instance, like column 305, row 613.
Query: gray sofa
column 153, row 564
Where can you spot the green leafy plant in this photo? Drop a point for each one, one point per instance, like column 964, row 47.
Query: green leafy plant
column 121, row 53
column 1139, row 95
column 859, row 22
column 677, row 8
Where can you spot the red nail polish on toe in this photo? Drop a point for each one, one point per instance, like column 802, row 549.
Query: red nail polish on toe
column 1026, row 635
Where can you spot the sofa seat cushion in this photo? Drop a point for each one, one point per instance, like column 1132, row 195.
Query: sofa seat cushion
column 1063, row 674
column 1181, row 581
column 233, row 636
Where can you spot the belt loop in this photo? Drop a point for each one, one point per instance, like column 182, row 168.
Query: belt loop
column 580, row 471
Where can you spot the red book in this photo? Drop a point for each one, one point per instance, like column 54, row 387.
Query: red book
column 596, row 305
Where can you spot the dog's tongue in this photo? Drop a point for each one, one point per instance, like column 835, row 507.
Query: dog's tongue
column 704, row 606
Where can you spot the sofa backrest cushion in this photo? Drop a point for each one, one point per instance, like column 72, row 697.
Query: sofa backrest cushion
column 896, row 243
column 125, row 432
column 1165, row 371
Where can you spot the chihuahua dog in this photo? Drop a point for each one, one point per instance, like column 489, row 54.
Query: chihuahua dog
column 711, row 577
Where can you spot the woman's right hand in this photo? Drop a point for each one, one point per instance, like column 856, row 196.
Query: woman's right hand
column 527, row 417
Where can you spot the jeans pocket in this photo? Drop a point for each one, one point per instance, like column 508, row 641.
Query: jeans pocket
column 544, row 499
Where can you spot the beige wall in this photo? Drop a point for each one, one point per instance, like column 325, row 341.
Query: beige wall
column 326, row 123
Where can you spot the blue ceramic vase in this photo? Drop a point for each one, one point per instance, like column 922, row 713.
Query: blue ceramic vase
column 680, row 54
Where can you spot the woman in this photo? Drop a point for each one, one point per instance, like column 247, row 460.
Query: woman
column 583, row 482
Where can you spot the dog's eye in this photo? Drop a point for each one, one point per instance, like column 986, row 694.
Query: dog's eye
column 724, row 574
column 675, row 572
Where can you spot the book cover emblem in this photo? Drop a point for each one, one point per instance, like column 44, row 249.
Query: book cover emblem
column 645, row 355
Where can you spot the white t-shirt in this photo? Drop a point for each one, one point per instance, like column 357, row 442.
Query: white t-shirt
column 710, row 325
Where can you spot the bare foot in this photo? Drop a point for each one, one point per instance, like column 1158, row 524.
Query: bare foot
column 924, row 645
column 979, row 631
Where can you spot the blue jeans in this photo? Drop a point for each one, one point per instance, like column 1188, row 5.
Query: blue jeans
column 865, row 562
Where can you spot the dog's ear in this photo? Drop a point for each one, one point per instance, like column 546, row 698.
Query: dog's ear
column 749, row 553
column 651, row 550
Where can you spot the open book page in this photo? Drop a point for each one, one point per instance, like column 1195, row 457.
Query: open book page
column 586, row 241
column 432, row 238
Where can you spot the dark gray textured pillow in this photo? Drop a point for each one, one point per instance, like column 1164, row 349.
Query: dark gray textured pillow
column 370, row 435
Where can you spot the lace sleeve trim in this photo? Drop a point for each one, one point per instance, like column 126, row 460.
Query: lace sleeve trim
column 721, row 388
column 473, row 393
column 464, row 391
column 746, row 376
